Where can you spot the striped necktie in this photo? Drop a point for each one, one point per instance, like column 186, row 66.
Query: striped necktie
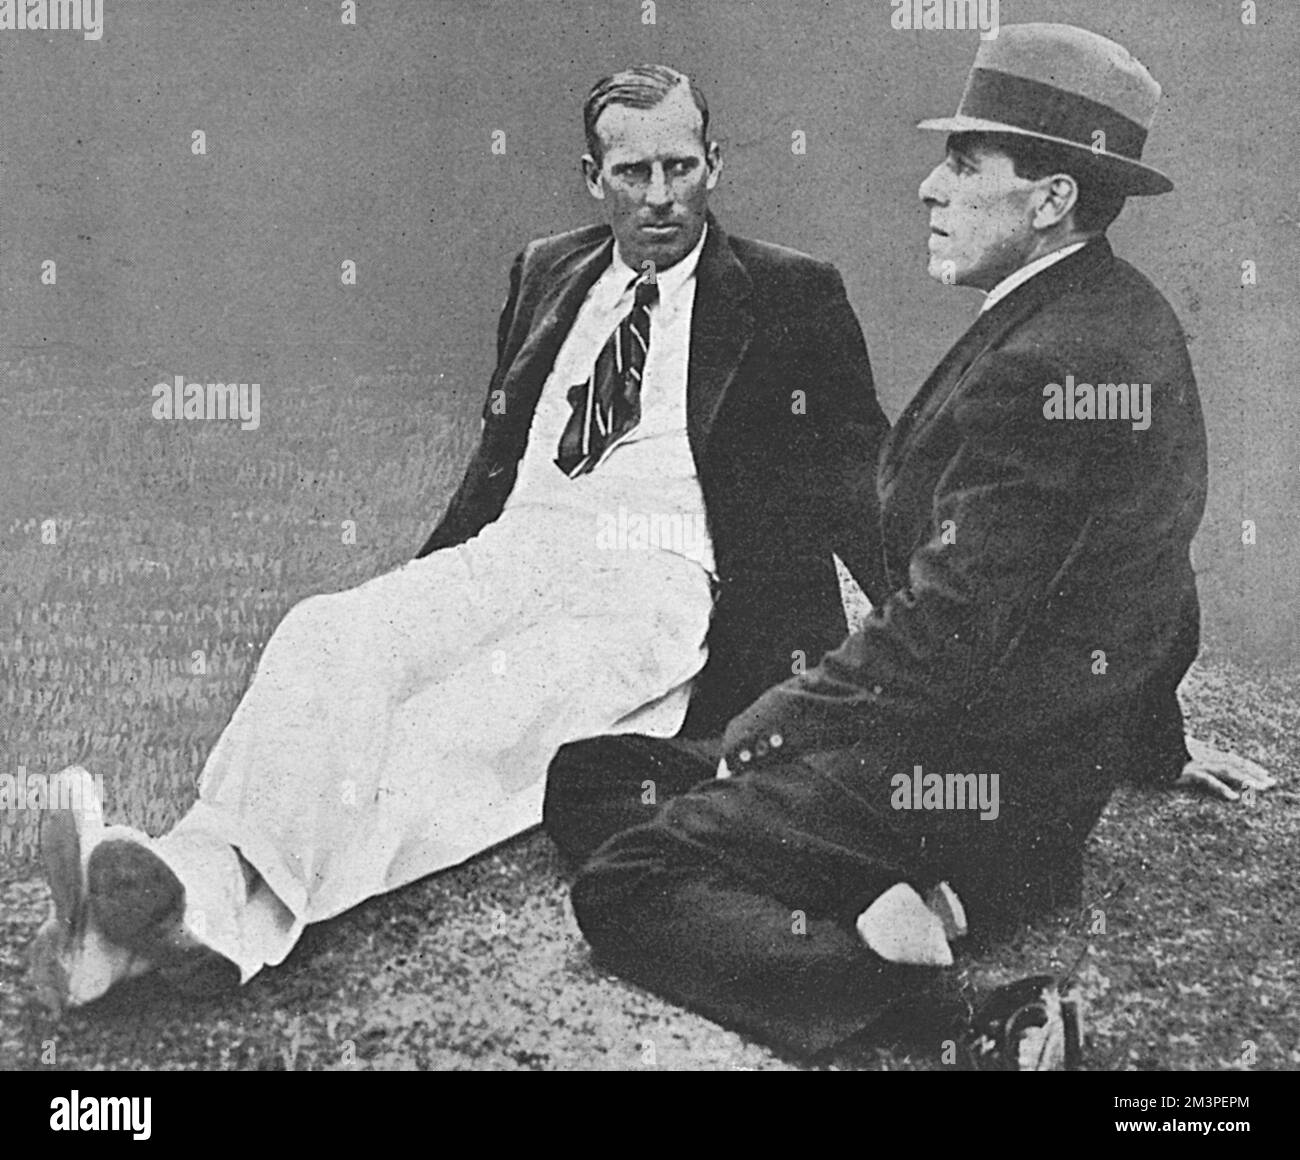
column 608, row 405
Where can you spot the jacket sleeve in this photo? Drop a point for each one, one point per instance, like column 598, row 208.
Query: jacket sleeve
column 452, row 529
column 1004, row 516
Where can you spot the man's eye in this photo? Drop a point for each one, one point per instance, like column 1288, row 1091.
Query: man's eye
column 681, row 168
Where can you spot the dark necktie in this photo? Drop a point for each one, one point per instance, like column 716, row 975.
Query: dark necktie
column 608, row 405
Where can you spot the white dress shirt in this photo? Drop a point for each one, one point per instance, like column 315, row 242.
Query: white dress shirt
column 1021, row 276
column 645, row 493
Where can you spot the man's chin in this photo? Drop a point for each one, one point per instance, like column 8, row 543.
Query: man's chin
column 664, row 254
column 943, row 272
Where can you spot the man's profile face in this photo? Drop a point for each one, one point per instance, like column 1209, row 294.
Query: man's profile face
column 654, row 177
column 981, row 217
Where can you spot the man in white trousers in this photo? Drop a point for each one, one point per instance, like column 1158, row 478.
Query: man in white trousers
column 678, row 439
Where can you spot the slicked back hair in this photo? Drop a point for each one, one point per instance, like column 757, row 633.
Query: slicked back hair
column 643, row 87
column 1098, row 203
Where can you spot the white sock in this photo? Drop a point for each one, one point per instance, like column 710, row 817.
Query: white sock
column 900, row 928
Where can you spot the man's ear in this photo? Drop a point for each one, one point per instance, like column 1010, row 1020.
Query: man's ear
column 713, row 158
column 591, row 175
column 1058, row 201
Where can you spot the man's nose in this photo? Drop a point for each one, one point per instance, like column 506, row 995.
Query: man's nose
column 658, row 192
column 931, row 190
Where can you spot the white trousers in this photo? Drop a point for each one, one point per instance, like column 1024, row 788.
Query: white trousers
column 402, row 726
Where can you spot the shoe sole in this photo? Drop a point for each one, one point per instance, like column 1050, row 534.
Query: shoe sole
column 61, row 858
column 66, row 831
column 71, row 964
column 47, row 969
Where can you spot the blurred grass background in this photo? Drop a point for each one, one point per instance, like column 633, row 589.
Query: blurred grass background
column 179, row 538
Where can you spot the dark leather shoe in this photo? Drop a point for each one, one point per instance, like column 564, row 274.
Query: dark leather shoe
column 1027, row 1025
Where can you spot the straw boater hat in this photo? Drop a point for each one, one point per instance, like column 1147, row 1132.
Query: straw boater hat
column 1058, row 83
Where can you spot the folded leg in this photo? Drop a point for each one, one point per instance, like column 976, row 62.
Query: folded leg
column 739, row 897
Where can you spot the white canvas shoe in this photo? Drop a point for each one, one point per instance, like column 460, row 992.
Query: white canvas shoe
column 69, row 961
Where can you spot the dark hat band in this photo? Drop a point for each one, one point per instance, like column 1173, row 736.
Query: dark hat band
column 1040, row 108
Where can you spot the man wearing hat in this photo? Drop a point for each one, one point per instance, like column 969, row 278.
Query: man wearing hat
column 1038, row 499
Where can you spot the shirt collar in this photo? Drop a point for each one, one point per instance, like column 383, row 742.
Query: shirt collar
column 1021, row 276
column 671, row 280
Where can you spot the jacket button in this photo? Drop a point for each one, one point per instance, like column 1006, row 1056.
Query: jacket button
column 744, row 755
column 877, row 690
column 777, row 740
column 760, row 748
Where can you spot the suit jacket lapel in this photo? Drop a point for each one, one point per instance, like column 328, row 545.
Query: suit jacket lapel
column 571, row 278
column 950, row 369
column 722, row 328
column 983, row 333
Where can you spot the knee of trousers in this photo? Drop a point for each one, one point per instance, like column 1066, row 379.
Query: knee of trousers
column 630, row 876
column 316, row 614
column 563, row 813
column 315, row 630
column 579, row 782
column 613, row 891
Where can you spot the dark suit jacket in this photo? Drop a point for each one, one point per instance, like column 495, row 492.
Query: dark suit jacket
column 1069, row 539
column 786, row 479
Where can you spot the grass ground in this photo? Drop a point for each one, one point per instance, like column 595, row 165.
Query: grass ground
column 127, row 641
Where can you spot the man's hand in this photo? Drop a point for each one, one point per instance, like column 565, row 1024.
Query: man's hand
column 1223, row 774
